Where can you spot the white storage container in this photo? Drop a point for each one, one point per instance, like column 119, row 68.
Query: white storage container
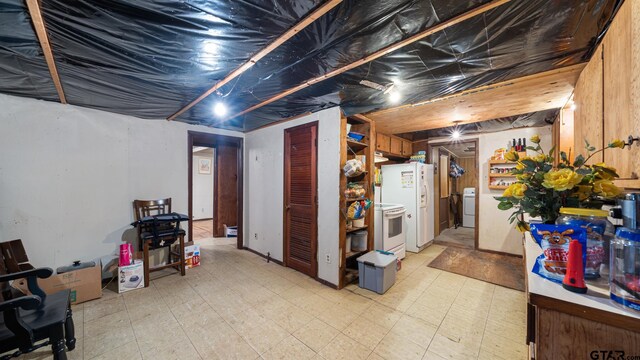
column 358, row 222
column 359, row 241
column 376, row 271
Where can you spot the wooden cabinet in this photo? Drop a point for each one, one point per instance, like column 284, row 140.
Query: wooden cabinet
column 621, row 69
column 588, row 115
column 407, row 148
column 590, row 322
column 396, row 146
column 383, row 142
column 607, row 96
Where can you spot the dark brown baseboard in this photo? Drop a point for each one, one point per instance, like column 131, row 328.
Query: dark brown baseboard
column 446, row 243
column 322, row 281
column 263, row 255
column 325, row 282
column 499, row 253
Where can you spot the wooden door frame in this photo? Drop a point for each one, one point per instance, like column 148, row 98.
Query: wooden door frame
column 196, row 138
column 476, row 143
column 285, row 243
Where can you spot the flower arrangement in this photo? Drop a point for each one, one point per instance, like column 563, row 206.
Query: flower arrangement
column 542, row 189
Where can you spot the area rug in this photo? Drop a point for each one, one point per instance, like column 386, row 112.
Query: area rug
column 502, row 270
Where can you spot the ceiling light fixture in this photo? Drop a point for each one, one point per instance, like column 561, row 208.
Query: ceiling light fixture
column 455, row 134
column 389, row 88
column 394, row 97
column 220, row 109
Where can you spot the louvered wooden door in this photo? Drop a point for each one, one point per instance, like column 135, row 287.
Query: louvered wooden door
column 300, row 198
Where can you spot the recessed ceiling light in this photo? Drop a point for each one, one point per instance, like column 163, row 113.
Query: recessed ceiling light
column 220, row 109
column 455, row 134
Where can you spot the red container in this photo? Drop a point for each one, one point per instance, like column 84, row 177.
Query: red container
column 126, row 254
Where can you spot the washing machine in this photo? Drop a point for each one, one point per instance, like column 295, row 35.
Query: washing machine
column 469, row 207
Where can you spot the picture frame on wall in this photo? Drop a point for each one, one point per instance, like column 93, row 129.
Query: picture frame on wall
column 204, row 166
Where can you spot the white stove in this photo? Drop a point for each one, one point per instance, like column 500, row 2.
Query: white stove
column 389, row 225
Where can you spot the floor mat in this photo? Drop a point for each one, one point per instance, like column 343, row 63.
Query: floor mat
column 497, row 269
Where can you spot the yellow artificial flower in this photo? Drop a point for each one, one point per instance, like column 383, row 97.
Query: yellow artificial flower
column 540, row 158
column 522, row 227
column 561, row 180
column 582, row 191
column 535, row 139
column 606, row 188
column 605, row 174
column 520, row 166
column 515, row 190
column 523, row 177
column 617, row 143
column 511, row 156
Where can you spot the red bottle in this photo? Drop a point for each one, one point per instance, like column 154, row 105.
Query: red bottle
column 574, row 278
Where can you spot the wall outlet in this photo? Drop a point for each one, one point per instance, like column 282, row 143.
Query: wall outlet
column 328, row 259
column 255, row 236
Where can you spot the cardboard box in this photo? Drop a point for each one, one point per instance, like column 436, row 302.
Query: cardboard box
column 130, row 277
column 230, row 231
column 192, row 256
column 85, row 284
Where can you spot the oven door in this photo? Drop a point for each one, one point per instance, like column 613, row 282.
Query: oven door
column 393, row 232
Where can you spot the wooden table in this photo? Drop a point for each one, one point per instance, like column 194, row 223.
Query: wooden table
column 565, row 325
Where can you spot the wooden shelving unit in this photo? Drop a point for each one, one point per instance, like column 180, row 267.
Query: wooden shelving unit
column 349, row 149
column 353, row 229
column 493, row 176
column 356, row 145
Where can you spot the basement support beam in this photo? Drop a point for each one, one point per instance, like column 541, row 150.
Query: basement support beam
column 41, row 31
column 326, row 7
column 380, row 53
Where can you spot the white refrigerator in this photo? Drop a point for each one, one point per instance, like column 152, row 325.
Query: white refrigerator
column 411, row 185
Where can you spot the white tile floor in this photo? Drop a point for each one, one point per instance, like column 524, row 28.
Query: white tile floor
column 236, row 306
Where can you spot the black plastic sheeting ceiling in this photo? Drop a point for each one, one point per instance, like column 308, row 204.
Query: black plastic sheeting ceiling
column 150, row 58
column 534, row 119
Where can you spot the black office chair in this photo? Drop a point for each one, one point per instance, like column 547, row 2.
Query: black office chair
column 31, row 322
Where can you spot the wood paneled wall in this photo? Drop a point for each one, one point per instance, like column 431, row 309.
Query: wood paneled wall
column 588, row 116
column 470, row 176
column 621, row 66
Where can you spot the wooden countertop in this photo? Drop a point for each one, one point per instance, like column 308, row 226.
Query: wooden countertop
column 594, row 305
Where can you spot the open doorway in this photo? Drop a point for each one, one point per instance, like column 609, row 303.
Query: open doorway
column 456, row 187
column 203, row 191
column 224, row 182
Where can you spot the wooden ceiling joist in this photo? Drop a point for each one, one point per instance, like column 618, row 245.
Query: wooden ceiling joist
column 326, row 7
column 43, row 38
column 380, row 53
column 537, row 92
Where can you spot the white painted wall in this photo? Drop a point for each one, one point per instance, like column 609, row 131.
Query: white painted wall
column 68, row 175
column 495, row 233
column 264, row 187
column 203, row 188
